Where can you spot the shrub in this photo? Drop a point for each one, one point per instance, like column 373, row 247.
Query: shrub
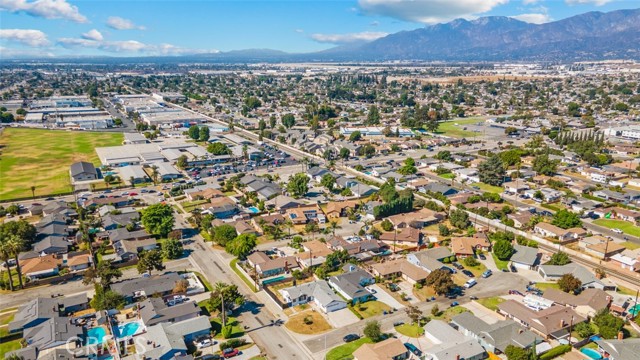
column 233, row 343
column 227, row 331
column 470, row 261
column 555, row 352
column 308, row 320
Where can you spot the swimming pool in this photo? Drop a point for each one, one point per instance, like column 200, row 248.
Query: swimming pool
column 96, row 335
column 269, row 281
column 635, row 310
column 253, row 210
column 128, row 329
column 592, row 354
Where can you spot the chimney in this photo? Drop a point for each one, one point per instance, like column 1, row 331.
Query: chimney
column 562, row 323
column 620, row 335
column 457, row 356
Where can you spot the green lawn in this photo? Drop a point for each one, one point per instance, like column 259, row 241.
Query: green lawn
column 371, row 308
column 548, row 285
column 343, row 352
column 216, row 325
column 447, row 176
column 501, row 264
column 491, row 303
column 410, row 330
column 625, row 226
column 488, row 188
column 448, row 313
column 250, row 284
column 476, row 270
column 455, row 128
column 9, row 346
column 41, row 158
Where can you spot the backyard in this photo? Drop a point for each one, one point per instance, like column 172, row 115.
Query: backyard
column 308, row 322
column 625, row 226
column 41, row 158
column 344, row 352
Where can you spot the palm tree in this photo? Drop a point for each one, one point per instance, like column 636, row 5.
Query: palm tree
column 218, row 291
column 16, row 244
column 312, row 228
column 245, row 151
column 5, row 255
column 33, row 192
column 132, row 181
column 333, row 225
column 154, row 174
column 288, row 224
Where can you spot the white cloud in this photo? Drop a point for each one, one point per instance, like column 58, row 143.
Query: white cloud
column 348, row 38
column 588, row 2
column 428, row 11
column 34, row 38
column 93, row 35
column 48, row 9
column 530, row 2
column 129, row 46
column 533, row 18
column 24, row 53
column 118, row 23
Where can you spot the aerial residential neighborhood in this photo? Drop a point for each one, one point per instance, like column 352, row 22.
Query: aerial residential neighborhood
column 392, row 197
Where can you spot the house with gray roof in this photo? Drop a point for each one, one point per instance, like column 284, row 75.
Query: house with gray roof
column 625, row 349
column 588, row 279
column 449, row 344
column 494, row 337
column 168, row 340
column 525, row 257
column 317, row 291
column 83, row 171
column 38, row 310
column 114, row 221
column 351, row 285
column 430, row 259
column 147, row 286
column 155, row 310
column 52, row 333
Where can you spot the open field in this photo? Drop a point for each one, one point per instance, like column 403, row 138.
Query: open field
column 41, row 158
column 455, row 128
column 625, row 226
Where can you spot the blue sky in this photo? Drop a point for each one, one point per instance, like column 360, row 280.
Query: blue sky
column 159, row 27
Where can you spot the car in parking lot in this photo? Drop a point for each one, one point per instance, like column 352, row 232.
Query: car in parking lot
column 487, row 273
column 398, row 323
column 413, row 349
column 454, row 304
column 515, row 292
column 468, row 273
column 351, row 337
column 458, row 266
column 371, row 290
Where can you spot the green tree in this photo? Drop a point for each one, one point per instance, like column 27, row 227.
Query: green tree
column 105, row 299
column 492, row 171
column 298, row 185
column 569, row 283
column 182, row 162
column 372, row 331
column 194, row 132
column 328, row 181
column 409, row 167
column 460, row 219
column 20, row 228
column 543, row 165
column 470, row 261
column 559, row 258
column 355, row 136
column 225, row 297
column 584, row 330
column 441, row 281
column 158, row 219
column 344, row 154
column 224, row 234
column 373, row 117
column 518, row 353
column 149, row 260
column 204, row 133
column 218, row 148
column 242, row 245
column 566, row 219
column 608, row 324
column 444, row 155
column 172, row 248
column 503, row 249
column 386, row 225
column 288, row 120
column 104, row 273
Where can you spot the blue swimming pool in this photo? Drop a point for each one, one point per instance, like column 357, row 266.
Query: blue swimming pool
column 128, row 329
column 592, row 354
column 253, row 209
column 96, row 335
column 276, row 279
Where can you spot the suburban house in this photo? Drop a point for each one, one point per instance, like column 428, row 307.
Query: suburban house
column 36, row 311
column 400, row 268
column 416, row 219
column 525, row 257
column 266, row 266
column 430, row 259
column 515, row 187
column 221, row 207
column 41, row 266
column 600, row 247
column 202, row 194
column 336, row 209
column 494, row 337
column 304, row 214
column 552, row 231
column 619, row 349
column 463, row 247
column 520, row 219
column 161, row 285
column 389, row 349
column 351, row 284
column 170, row 339
column 115, row 221
column 437, row 187
column 589, row 280
column 317, row 291
column 449, row 344
column 586, row 304
column 83, row 171
column 550, row 323
column 628, row 259
column 406, row 236
column 154, row 310
column 129, row 249
column 619, row 213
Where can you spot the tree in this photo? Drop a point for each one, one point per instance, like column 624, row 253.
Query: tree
column 372, row 331
column 435, row 310
column 154, row 173
column 503, row 249
column 414, row 313
column 492, row 171
column 204, row 133
column 194, row 132
column 224, row 234
column 5, row 255
column 373, row 117
column 386, row 225
column 242, row 245
column 543, row 165
column 158, row 219
column 559, row 258
column 181, row 287
column 344, row 154
column 355, row 136
column 470, row 261
column 33, row 192
column 20, row 228
column 569, row 283
column 218, row 148
column 460, row 219
column 172, row 248
column 311, row 228
column 149, row 260
column 333, row 226
column 288, row 120
column 105, row 299
column 409, row 167
column 608, row 324
column 328, row 181
column 440, row 280
column 444, row 155
column 226, row 294
column 584, row 330
column 517, row 353
column 566, row 219
column 182, row 162
column 298, row 185
column 105, row 272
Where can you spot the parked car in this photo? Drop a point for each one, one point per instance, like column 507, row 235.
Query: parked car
column 468, row 273
column 398, row 323
column 371, row 290
column 487, row 273
column 413, row 349
column 393, row 287
column 617, row 231
column 230, row 352
column 204, row 343
column 514, row 269
column 482, row 257
column 209, row 357
column 515, row 292
column 351, row 337
column 458, row 266
column 454, row 304
column 472, row 297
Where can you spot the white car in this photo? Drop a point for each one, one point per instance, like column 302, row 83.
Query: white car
column 617, row 231
column 204, row 343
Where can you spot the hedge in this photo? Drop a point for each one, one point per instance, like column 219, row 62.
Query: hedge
column 556, row 351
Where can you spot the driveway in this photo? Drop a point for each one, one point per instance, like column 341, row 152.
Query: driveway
column 482, row 312
column 342, row 318
column 408, row 289
column 383, row 296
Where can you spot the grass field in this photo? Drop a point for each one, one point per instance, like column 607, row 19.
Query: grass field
column 488, row 188
column 318, row 324
column 548, row 285
column 455, row 128
column 41, row 158
column 625, row 226
column 344, row 352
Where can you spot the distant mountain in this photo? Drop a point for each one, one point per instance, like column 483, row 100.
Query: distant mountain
column 593, row 35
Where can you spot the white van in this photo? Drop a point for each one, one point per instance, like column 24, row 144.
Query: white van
column 470, row 283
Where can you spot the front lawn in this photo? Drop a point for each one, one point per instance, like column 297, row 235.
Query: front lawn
column 476, row 270
column 316, row 323
column 491, row 303
column 216, row 325
column 501, row 264
column 547, row 285
column 448, row 176
column 425, row 293
column 450, row 312
column 343, row 352
column 410, row 330
column 630, row 245
column 371, row 308
column 488, row 188
column 625, row 226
